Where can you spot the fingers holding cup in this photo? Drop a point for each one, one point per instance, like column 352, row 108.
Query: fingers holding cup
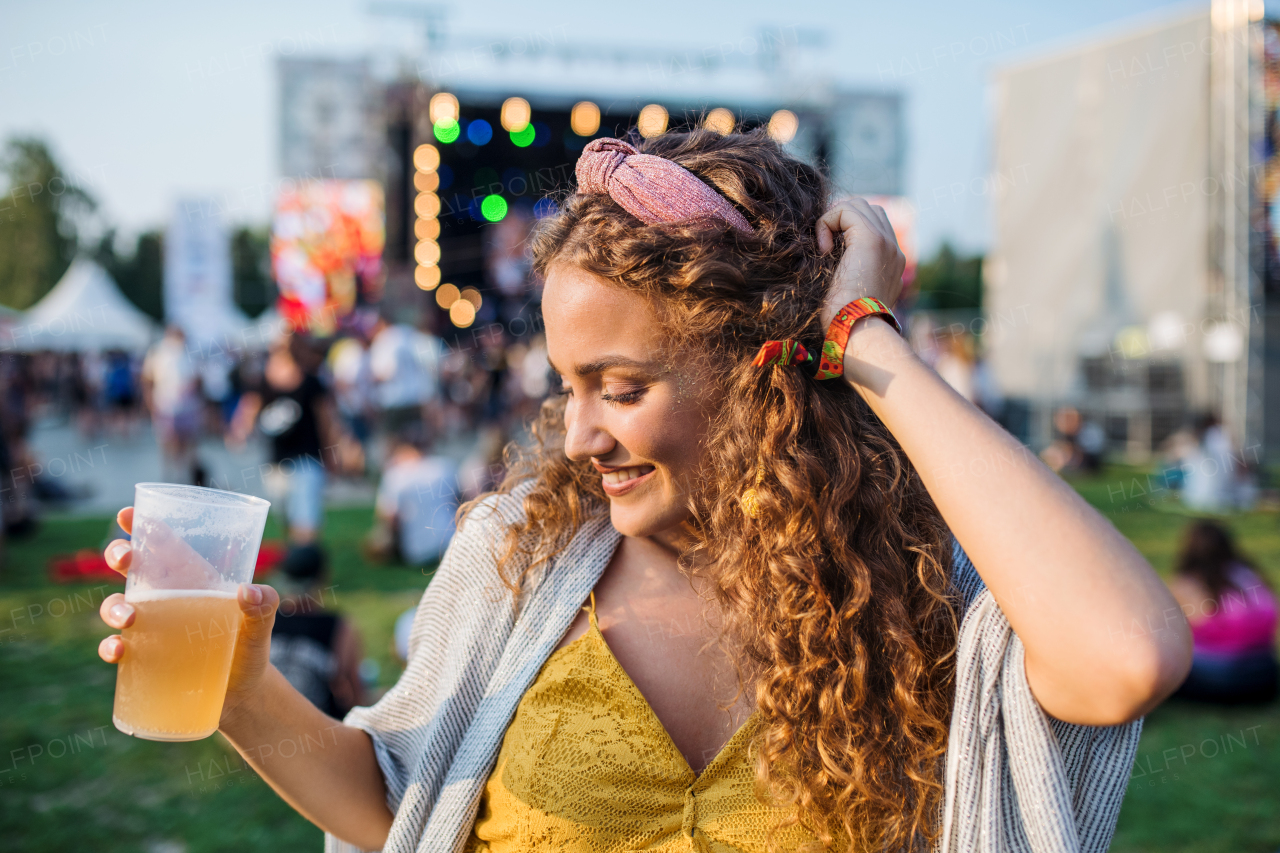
column 111, row 649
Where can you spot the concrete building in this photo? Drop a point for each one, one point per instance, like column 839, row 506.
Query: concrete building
column 1133, row 265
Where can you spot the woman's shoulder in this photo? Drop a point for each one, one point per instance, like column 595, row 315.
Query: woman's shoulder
column 1192, row 596
column 483, row 558
column 501, row 509
column 1251, row 586
column 480, row 538
column 1243, row 576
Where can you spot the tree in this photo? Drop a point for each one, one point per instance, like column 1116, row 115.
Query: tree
column 254, row 289
column 40, row 217
column 947, row 281
column 139, row 274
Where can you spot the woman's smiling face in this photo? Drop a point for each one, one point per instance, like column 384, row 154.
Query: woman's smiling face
column 637, row 417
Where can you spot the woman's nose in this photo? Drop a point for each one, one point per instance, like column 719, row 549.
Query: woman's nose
column 584, row 435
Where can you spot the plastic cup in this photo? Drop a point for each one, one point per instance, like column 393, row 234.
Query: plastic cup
column 192, row 548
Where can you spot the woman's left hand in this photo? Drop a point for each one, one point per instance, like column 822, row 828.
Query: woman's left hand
column 872, row 264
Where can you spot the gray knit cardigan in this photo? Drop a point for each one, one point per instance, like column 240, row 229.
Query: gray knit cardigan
column 1016, row 780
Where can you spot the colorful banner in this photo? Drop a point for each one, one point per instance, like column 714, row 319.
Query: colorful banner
column 326, row 250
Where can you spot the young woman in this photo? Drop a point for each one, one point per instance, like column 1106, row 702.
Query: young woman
column 1233, row 615
column 723, row 600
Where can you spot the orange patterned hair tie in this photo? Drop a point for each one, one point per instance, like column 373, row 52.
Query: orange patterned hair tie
column 830, row 365
column 782, row 352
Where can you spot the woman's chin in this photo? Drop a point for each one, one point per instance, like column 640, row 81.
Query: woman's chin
column 641, row 520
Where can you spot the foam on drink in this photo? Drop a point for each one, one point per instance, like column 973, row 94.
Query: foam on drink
column 135, row 595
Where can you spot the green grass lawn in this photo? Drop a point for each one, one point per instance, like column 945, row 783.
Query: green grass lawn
column 1206, row 780
column 70, row 781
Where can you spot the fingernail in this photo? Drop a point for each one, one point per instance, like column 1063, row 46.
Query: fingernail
column 120, row 612
column 252, row 594
column 118, row 551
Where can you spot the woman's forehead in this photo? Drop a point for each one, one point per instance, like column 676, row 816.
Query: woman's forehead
column 572, row 288
column 589, row 319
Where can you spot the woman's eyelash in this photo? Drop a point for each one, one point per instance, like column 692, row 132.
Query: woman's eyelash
column 624, row 398
column 561, row 389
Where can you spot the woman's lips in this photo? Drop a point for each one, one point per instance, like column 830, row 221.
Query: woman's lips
column 618, row 482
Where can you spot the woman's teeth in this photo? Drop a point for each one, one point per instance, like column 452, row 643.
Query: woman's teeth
column 622, row 475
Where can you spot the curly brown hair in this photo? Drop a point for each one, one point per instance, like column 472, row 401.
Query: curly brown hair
column 835, row 596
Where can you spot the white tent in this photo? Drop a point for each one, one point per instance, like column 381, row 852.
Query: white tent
column 84, row 311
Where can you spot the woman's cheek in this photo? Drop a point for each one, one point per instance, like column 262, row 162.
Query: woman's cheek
column 680, row 451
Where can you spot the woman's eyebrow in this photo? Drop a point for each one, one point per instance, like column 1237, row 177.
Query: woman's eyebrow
column 603, row 363
column 600, row 365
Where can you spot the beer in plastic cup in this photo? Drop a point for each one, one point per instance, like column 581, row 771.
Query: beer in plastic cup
column 192, row 548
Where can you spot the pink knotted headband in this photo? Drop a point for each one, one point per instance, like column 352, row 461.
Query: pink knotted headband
column 653, row 189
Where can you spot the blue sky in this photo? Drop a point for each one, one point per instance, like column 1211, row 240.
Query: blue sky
column 119, row 91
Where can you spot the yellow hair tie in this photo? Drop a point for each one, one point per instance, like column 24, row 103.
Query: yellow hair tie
column 750, row 499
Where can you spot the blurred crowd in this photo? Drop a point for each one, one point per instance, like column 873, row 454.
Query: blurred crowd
column 383, row 402
column 98, row 391
column 424, row 412
column 1199, row 461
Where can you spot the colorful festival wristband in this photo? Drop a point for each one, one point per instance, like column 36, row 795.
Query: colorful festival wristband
column 831, row 363
column 831, row 366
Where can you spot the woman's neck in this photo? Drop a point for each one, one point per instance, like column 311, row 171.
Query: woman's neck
column 665, row 550
column 677, row 539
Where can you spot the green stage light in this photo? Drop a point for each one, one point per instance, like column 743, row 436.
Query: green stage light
column 524, row 136
column 493, row 208
column 447, row 130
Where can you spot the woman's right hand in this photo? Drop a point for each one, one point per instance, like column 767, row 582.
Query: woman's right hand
column 252, row 657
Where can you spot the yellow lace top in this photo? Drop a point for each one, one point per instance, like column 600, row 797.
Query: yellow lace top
column 586, row 767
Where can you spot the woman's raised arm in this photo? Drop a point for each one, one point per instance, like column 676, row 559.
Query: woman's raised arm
column 1105, row 640
column 324, row 769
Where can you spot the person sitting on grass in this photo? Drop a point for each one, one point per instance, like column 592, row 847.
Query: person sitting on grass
column 1232, row 613
column 416, row 503
column 317, row 651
